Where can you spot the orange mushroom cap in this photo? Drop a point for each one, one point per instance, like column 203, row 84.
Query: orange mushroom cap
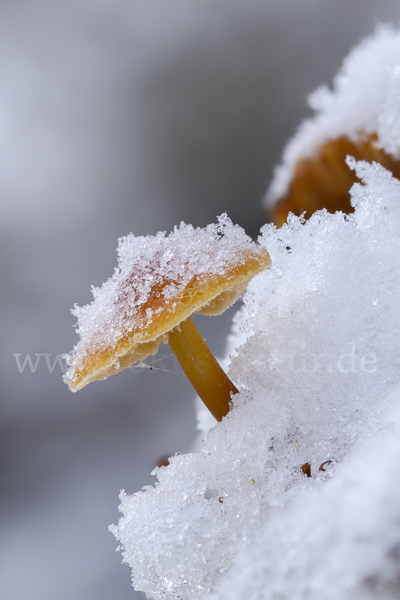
column 324, row 180
column 357, row 116
column 160, row 282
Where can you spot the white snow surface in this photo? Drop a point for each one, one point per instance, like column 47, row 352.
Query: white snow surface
column 316, row 353
column 337, row 539
column 364, row 100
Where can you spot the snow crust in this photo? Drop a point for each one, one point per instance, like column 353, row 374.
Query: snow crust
column 316, row 351
column 364, row 100
column 146, row 264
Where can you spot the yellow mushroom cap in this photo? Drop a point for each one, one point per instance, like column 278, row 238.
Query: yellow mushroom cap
column 160, row 281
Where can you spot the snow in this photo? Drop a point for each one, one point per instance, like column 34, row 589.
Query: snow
column 315, row 355
column 364, row 100
column 340, row 538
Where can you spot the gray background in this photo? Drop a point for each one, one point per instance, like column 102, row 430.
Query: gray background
column 120, row 116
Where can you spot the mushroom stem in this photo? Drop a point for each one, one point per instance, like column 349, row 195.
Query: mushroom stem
column 203, row 371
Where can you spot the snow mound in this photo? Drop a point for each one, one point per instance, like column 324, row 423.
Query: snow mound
column 339, row 538
column 316, row 359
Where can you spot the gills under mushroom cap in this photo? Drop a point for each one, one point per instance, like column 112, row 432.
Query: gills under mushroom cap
column 160, row 282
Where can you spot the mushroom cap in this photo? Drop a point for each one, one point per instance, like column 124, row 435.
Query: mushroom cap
column 359, row 115
column 160, row 282
column 324, row 179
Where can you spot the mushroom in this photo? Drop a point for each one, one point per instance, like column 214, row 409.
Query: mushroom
column 357, row 116
column 160, row 283
column 323, row 180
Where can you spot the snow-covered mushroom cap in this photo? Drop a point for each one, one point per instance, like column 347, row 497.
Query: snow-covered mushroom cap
column 160, row 282
column 360, row 117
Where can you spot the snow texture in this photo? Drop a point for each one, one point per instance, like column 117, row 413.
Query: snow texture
column 340, row 538
column 316, row 351
column 146, row 264
column 364, row 101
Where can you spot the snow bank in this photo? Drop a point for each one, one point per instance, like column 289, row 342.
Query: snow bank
column 316, row 359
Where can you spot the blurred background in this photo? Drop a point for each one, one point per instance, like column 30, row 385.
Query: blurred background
column 121, row 116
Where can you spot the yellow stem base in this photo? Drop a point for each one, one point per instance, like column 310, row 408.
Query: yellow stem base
column 203, row 371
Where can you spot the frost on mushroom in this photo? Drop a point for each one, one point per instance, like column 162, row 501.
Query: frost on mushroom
column 318, row 366
column 359, row 116
column 161, row 281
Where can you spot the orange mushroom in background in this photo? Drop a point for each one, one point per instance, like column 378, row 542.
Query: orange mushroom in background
column 161, row 282
column 359, row 116
column 324, row 180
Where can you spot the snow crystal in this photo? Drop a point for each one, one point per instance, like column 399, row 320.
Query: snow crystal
column 316, row 359
column 154, row 266
column 364, row 101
